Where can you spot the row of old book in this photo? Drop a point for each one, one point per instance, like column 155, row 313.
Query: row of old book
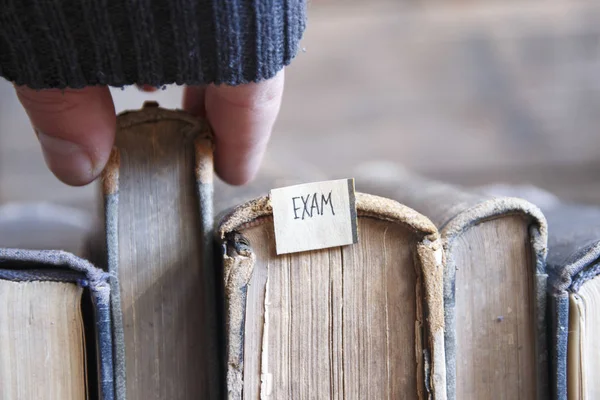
column 487, row 293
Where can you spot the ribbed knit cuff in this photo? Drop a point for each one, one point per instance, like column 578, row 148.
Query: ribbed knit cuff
column 76, row 43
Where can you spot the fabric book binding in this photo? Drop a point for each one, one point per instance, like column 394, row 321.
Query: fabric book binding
column 34, row 285
column 158, row 209
column 574, row 288
column 494, row 283
column 359, row 321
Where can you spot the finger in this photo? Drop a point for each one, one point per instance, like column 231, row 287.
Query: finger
column 194, row 100
column 76, row 129
column 242, row 118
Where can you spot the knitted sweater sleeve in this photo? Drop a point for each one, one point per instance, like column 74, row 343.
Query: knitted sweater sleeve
column 76, row 43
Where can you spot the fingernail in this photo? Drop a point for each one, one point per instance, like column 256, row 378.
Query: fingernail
column 67, row 160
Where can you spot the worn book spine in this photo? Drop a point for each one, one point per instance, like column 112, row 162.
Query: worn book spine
column 452, row 230
column 203, row 174
column 238, row 262
column 454, row 211
column 59, row 266
column 573, row 259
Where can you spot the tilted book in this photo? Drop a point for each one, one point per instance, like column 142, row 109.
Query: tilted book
column 158, row 189
column 346, row 322
column 494, row 284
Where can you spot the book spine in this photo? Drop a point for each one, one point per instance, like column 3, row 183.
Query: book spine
column 559, row 311
column 204, row 166
column 84, row 274
column 430, row 254
column 104, row 344
column 237, row 262
column 203, row 173
column 110, row 186
column 538, row 236
column 538, row 239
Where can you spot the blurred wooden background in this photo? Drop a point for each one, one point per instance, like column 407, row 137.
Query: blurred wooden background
column 470, row 92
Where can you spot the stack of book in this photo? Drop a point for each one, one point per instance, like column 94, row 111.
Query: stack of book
column 444, row 293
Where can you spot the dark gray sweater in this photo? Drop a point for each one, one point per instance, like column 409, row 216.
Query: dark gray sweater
column 75, row 43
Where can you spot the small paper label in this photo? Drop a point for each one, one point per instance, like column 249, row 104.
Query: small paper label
column 314, row 216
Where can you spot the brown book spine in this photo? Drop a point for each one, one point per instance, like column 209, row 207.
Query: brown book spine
column 239, row 265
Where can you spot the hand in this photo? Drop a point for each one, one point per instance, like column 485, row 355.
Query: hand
column 76, row 128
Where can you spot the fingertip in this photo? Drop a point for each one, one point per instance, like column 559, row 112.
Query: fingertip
column 75, row 128
column 237, row 168
column 68, row 161
column 242, row 118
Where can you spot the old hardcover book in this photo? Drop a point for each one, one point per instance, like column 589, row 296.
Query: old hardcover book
column 494, row 284
column 574, row 287
column 574, row 266
column 349, row 322
column 55, row 339
column 158, row 211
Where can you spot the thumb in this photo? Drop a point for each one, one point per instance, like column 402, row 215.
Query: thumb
column 76, row 129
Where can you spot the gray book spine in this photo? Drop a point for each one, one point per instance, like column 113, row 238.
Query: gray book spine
column 573, row 259
column 203, row 174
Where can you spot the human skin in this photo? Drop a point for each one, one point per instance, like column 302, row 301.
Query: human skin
column 76, row 127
